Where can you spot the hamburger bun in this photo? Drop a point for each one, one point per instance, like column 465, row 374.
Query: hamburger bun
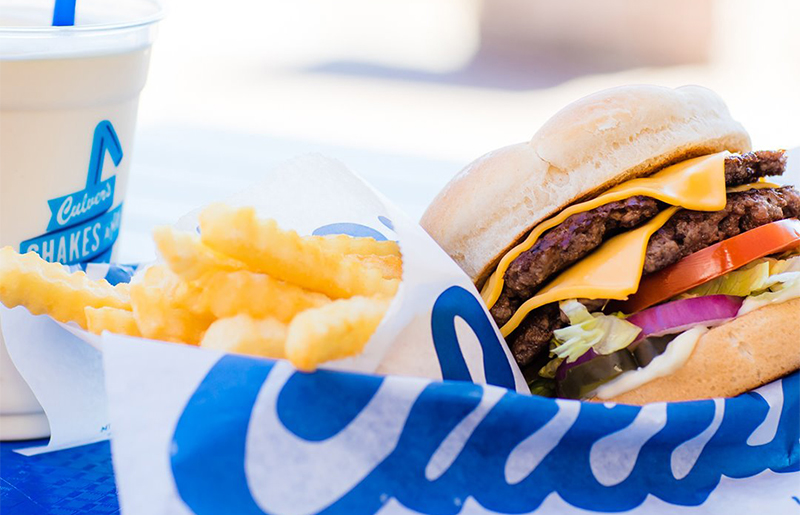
column 588, row 147
column 738, row 356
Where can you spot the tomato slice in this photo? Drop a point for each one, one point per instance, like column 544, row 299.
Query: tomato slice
column 712, row 262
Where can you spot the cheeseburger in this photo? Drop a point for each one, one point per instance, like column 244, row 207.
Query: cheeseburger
column 634, row 250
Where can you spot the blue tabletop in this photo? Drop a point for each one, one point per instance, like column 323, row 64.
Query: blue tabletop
column 73, row 481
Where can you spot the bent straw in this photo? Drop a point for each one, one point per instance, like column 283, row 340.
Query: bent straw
column 64, row 13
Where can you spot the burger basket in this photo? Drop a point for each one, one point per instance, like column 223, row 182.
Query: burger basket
column 434, row 417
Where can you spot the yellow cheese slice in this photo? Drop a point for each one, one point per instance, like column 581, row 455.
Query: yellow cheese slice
column 612, row 271
column 760, row 185
column 697, row 184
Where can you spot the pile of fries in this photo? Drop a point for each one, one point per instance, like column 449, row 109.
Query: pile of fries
column 244, row 286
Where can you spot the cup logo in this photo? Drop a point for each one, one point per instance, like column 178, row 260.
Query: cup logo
column 82, row 226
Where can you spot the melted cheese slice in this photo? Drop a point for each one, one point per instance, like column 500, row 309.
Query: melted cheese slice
column 760, row 185
column 612, row 271
column 697, row 184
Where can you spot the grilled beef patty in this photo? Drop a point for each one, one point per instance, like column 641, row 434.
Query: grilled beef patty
column 690, row 231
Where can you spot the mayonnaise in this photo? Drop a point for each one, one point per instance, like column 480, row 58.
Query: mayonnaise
column 673, row 358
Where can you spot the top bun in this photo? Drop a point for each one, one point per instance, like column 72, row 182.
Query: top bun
column 588, row 147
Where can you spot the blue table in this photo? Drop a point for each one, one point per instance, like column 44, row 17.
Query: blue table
column 74, row 481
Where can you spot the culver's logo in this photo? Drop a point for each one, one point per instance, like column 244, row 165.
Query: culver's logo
column 82, row 205
column 82, row 225
column 256, row 437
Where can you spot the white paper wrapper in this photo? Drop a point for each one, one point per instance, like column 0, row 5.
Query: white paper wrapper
column 436, row 326
column 66, row 375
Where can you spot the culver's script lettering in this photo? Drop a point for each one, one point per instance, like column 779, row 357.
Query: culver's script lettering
column 82, row 226
column 81, row 205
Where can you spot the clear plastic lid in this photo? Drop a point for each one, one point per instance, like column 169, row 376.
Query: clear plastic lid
column 101, row 27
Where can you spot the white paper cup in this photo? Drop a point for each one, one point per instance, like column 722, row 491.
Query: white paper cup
column 68, row 103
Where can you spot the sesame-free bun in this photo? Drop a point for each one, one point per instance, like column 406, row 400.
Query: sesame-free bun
column 589, row 146
column 733, row 358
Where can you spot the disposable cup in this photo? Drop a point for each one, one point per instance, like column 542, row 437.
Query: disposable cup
column 68, row 103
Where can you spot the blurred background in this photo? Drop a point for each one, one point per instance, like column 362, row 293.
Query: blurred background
column 406, row 92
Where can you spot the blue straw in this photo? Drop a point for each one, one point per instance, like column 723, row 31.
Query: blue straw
column 64, row 13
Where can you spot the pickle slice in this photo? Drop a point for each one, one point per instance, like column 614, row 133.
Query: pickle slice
column 651, row 347
column 586, row 377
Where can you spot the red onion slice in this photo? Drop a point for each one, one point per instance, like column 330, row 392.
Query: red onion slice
column 680, row 315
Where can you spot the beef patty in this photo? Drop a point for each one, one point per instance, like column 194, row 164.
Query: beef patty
column 689, row 231
column 580, row 234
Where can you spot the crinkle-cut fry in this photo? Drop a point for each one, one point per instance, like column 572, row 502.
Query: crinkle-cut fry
column 226, row 294
column 160, row 306
column 245, row 335
column 188, row 257
column 124, row 289
column 334, row 331
column 49, row 289
column 390, row 267
column 344, row 244
column 113, row 320
column 264, row 247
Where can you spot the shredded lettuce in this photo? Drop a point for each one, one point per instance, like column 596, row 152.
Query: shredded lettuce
column 739, row 283
column 752, row 280
column 766, row 281
column 781, row 287
column 575, row 311
column 602, row 333
column 791, row 264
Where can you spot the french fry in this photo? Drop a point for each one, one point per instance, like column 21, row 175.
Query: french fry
column 258, row 295
column 390, row 267
column 245, row 335
column 124, row 289
column 160, row 306
column 113, row 320
column 344, row 244
column 49, row 289
column 188, row 257
column 333, row 331
column 285, row 255
column 244, row 286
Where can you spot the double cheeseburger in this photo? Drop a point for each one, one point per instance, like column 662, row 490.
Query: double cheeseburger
column 634, row 250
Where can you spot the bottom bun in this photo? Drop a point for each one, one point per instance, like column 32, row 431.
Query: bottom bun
column 736, row 357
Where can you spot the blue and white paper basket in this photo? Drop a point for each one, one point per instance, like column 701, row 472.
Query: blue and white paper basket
column 197, row 431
